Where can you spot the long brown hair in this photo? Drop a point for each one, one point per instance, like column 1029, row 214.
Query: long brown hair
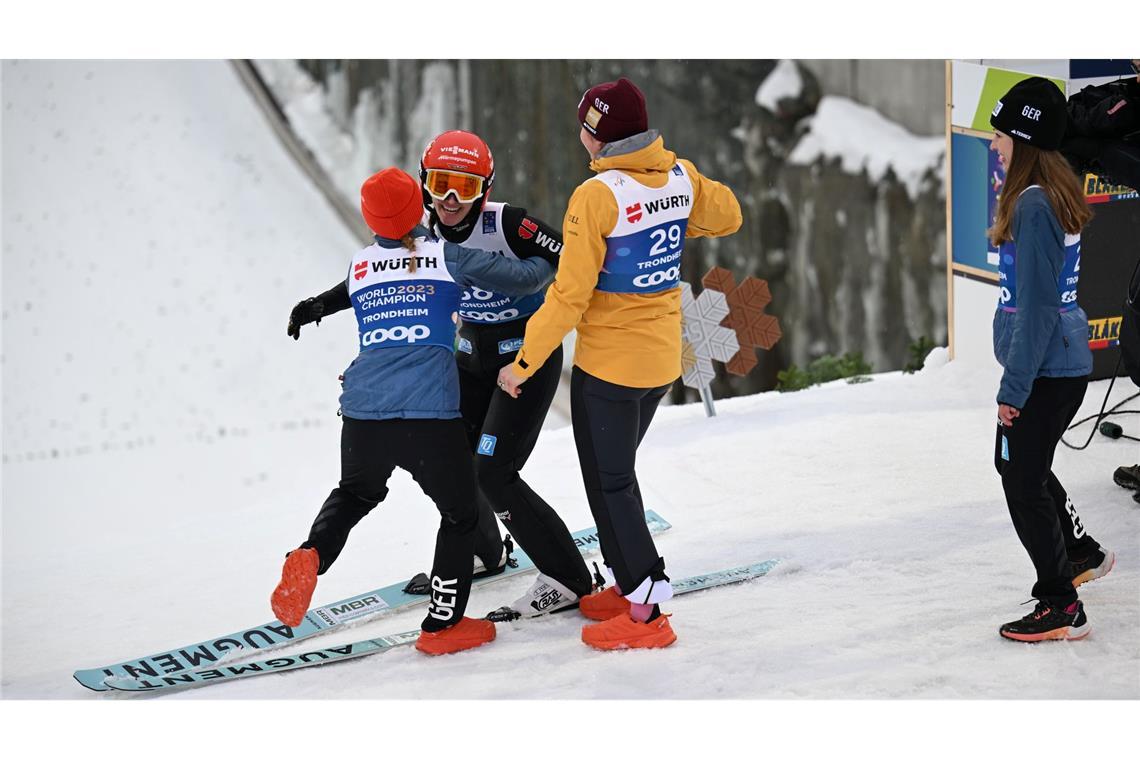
column 409, row 242
column 1030, row 165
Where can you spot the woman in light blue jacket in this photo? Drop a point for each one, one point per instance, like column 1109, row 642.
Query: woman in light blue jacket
column 400, row 403
column 1041, row 341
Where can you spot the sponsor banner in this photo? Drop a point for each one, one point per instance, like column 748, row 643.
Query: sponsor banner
column 1099, row 191
column 1104, row 333
column 1108, row 255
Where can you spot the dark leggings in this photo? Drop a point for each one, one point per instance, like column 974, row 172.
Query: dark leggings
column 609, row 422
column 1043, row 516
column 503, row 432
column 436, row 454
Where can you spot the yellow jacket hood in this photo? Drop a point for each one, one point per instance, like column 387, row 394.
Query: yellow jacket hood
column 644, row 153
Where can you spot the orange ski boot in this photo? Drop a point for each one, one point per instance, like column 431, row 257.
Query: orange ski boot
column 468, row 633
column 290, row 600
column 623, row 632
column 604, row 604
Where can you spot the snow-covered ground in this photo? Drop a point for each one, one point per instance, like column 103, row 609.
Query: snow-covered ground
column 165, row 443
column 898, row 558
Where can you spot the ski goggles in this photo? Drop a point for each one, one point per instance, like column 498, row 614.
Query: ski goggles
column 442, row 182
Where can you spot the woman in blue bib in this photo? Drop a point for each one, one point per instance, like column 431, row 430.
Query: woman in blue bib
column 400, row 402
column 1041, row 341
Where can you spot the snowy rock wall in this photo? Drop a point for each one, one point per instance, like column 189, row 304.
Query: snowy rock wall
column 844, row 208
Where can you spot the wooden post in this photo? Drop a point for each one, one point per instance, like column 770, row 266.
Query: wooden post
column 949, row 209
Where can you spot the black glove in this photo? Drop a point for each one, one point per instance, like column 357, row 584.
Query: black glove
column 309, row 310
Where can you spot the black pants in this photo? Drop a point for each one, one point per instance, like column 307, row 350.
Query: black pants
column 609, row 422
column 503, row 432
column 1043, row 516
column 436, row 454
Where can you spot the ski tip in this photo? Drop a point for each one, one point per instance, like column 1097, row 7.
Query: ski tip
column 96, row 686
column 126, row 684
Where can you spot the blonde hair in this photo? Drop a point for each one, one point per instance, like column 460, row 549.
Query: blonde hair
column 409, row 242
column 1028, row 166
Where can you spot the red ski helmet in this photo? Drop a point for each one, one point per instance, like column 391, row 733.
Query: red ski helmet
column 457, row 162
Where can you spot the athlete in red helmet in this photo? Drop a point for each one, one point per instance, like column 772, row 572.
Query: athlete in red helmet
column 457, row 171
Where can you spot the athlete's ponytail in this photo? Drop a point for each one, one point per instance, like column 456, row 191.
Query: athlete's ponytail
column 409, row 242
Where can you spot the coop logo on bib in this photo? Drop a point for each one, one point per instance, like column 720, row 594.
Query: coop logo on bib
column 661, row 276
column 401, row 333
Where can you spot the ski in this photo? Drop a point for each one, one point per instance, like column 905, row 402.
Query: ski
column 216, row 651
column 381, row 644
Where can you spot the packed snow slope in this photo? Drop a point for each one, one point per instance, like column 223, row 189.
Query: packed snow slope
column 155, row 238
column 165, row 444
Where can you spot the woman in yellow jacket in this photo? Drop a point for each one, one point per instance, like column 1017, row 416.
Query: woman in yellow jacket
column 618, row 284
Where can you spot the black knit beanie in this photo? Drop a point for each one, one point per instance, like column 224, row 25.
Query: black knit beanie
column 1033, row 112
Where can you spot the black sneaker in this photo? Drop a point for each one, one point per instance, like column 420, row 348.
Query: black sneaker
column 1127, row 477
column 1048, row 621
column 1094, row 566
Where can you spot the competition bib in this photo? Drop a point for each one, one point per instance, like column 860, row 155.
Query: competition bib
column 477, row 305
column 395, row 307
column 1066, row 284
column 643, row 252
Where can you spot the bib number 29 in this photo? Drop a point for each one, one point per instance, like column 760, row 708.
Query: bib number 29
column 665, row 241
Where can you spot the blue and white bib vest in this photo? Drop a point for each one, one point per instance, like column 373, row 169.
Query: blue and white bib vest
column 1066, row 284
column 486, row 306
column 395, row 307
column 643, row 252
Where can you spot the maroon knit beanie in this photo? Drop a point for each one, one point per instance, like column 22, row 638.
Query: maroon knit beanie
column 613, row 111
